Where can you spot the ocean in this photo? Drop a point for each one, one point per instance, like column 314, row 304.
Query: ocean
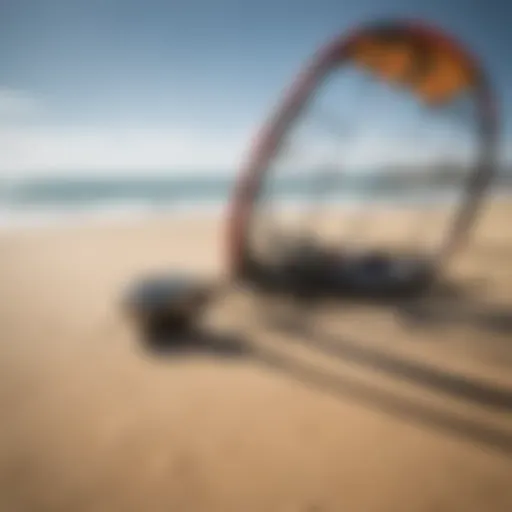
column 43, row 201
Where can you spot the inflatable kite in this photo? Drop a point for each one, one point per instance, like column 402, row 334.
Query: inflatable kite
column 413, row 58
column 418, row 62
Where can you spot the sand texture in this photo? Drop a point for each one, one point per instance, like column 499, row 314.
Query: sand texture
column 366, row 414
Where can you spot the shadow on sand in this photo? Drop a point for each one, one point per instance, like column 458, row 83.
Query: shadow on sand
column 480, row 393
column 379, row 360
column 445, row 304
column 464, row 312
column 451, row 304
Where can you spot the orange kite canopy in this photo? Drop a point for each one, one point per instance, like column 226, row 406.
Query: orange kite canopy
column 430, row 65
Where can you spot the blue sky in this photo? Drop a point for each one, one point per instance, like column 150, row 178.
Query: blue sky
column 152, row 84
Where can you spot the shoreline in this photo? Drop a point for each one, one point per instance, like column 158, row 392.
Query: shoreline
column 123, row 213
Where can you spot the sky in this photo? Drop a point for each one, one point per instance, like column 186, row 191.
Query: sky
column 113, row 86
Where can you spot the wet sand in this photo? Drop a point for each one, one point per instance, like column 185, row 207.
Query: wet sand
column 371, row 414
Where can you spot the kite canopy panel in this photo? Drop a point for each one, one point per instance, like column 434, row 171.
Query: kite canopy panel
column 432, row 68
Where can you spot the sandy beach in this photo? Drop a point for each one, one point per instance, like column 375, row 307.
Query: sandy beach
column 371, row 414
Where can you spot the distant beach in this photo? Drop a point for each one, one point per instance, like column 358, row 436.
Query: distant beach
column 43, row 201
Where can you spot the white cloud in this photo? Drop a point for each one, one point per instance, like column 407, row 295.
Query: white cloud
column 60, row 150
column 373, row 153
column 30, row 144
column 17, row 105
column 50, row 150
